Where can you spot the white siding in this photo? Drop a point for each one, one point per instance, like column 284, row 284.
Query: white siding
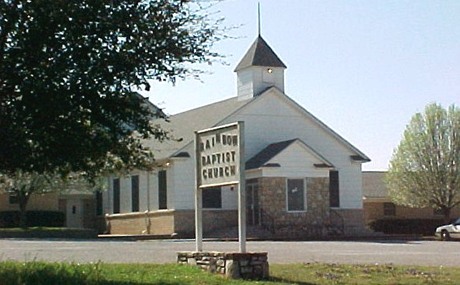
column 230, row 197
column 244, row 84
column 295, row 161
column 183, row 182
column 125, row 194
column 271, row 118
column 274, row 118
column 253, row 80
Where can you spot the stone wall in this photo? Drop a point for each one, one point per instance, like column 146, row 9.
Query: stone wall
column 353, row 222
column 310, row 223
column 231, row 265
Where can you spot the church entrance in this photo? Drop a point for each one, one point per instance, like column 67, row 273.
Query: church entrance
column 252, row 203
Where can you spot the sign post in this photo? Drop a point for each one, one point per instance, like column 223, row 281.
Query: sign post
column 219, row 155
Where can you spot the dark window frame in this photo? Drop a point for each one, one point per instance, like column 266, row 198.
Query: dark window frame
column 13, row 199
column 438, row 212
column 162, row 190
column 296, row 202
column 99, row 203
column 135, row 193
column 389, row 209
column 334, row 189
column 212, row 198
column 116, row 195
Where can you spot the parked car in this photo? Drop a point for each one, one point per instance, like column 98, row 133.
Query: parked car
column 450, row 231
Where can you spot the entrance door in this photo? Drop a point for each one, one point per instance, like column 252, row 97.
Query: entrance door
column 252, row 204
column 74, row 213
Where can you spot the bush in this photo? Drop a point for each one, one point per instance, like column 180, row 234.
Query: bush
column 10, row 219
column 406, row 226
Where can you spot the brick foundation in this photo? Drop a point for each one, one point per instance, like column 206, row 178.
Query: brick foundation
column 231, row 265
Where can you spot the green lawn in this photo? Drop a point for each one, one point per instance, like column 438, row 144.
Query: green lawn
column 37, row 273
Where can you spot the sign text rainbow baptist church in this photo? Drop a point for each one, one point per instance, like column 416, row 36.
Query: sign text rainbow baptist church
column 218, row 156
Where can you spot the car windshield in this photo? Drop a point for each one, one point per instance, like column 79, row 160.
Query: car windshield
column 457, row 221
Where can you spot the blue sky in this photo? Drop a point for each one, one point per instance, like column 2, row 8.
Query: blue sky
column 362, row 67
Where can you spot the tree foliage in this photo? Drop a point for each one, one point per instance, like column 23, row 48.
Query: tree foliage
column 23, row 185
column 425, row 168
column 69, row 71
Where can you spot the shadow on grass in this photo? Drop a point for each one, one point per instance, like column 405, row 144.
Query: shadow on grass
column 284, row 280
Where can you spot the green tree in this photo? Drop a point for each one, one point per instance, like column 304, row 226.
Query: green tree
column 69, row 71
column 425, row 168
column 22, row 185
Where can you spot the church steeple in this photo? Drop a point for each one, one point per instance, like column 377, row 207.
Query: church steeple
column 259, row 69
column 260, row 54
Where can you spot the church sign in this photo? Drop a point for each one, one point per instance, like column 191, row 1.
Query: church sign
column 218, row 155
column 220, row 161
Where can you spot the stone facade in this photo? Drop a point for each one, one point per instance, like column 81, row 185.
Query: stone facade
column 231, row 265
column 315, row 221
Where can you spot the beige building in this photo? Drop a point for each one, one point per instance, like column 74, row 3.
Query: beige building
column 378, row 205
column 82, row 209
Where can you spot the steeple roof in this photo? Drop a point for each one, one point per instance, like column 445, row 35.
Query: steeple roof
column 260, row 54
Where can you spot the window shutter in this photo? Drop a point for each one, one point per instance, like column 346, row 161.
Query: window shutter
column 334, row 193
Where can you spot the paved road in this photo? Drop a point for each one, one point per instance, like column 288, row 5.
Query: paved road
column 164, row 251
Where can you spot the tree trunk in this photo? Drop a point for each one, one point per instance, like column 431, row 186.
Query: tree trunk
column 446, row 213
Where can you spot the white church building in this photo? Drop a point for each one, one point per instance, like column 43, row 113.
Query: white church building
column 302, row 178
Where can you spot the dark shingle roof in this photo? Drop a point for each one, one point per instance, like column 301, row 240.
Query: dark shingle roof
column 267, row 153
column 260, row 54
column 183, row 125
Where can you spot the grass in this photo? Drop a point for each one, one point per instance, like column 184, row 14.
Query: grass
column 37, row 273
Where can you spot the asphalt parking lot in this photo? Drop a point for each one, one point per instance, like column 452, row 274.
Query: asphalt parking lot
column 417, row 252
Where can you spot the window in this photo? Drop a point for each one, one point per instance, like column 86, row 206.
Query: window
column 135, row 193
column 212, row 197
column 389, row 209
column 99, row 208
column 296, row 195
column 334, row 194
column 162, row 190
column 14, row 199
column 116, row 195
column 438, row 212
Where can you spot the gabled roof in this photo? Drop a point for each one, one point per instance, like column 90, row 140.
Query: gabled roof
column 184, row 124
column 266, row 154
column 272, row 150
column 360, row 156
column 260, row 54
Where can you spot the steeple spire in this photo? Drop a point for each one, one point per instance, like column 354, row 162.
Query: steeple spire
column 259, row 69
column 258, row 19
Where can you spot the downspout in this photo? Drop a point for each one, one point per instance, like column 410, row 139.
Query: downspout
column 108, row 210
column 147, row 218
